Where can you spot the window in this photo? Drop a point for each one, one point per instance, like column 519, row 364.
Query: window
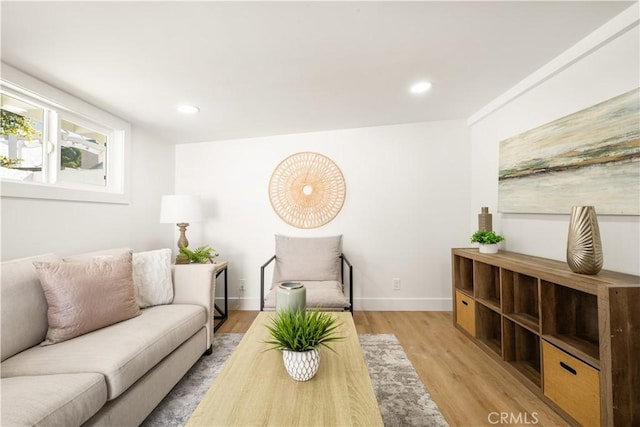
column 83, row 154
column 57, row 147
column 21, row 126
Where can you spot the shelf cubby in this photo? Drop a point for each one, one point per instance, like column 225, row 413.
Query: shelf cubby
column 520, row 299
column 571, row 321
column 486, row 279
column 522, row 350
column 489, row 328
column 463, row 274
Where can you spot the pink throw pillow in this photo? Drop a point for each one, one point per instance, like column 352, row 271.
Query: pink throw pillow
column 85, row 296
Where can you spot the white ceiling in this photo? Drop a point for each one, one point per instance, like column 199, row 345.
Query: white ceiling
column 267, row 68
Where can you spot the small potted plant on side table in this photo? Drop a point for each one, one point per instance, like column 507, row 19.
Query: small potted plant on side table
column 488, row 241
column 202, row 255
column 299, row 334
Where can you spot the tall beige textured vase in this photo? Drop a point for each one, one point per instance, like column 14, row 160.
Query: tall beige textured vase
column 584, row 247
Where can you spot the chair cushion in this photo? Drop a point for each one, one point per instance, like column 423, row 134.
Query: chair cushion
column 325, row 295
column 85, row 296
column 307, row 258
column 52, row 400
column 122, row 352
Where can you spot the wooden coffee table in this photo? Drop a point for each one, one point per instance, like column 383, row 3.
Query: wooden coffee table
column 254, row 388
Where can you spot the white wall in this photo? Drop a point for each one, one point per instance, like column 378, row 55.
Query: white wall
column 407, row 204
column 609, row 69
column 35, row 226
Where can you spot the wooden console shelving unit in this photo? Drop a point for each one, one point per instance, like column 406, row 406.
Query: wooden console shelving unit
column 571, row 338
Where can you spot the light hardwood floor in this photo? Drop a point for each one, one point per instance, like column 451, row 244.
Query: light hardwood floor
column 470, row 388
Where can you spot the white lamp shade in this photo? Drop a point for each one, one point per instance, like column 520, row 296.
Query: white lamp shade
column 180, row 208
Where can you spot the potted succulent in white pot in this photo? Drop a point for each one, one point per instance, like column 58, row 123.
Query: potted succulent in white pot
column 488, row 241
column 299, row 335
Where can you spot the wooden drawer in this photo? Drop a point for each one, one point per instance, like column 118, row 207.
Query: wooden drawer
column 466, row 312
column 572, row 384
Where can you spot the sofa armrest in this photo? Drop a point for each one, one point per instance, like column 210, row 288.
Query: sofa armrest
column 196, row 284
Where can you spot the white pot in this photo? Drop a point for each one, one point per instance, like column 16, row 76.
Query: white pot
column 301, row 365
column 489, row 249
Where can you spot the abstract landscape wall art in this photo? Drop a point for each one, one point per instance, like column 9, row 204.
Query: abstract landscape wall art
column 591, row 157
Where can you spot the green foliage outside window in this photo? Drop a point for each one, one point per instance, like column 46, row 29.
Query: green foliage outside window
column 9, row 163
column 15, row 124
column 70, row 157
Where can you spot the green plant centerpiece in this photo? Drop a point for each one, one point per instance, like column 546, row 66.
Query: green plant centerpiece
column 488, row 241
column 201, row 255
column 299, row 335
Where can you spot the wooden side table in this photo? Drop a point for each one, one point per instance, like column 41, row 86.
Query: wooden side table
column 221, row 315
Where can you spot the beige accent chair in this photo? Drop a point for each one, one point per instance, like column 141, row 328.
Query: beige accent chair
column 316, row 262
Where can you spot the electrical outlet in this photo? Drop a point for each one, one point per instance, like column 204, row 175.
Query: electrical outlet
column 242, row 283
column 395, row 284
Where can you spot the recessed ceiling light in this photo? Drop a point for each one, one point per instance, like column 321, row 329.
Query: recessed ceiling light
column 188, row 109
column 420, row 87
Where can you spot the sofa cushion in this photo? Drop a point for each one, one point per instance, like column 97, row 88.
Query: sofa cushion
column 23, row 307
column 326, row 295
column 307, row 258
column 133, row 406
column 152, row 277
column 122, row 352
column 85, row 296
column 52, row 400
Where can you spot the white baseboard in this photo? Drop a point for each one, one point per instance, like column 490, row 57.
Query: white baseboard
column 247, row 303
column 236, row 303
column 361, row 304
column 402, row 304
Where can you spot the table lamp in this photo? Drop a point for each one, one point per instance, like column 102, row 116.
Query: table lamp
column 180, row 210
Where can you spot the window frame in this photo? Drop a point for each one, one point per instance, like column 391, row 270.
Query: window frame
column 75, row 119
column 60, row 105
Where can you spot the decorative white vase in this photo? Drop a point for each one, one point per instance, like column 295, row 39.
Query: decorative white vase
column 301, row 365
column 489, row 249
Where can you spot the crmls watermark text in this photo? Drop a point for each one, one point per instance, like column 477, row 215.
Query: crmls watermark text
column 513, row 418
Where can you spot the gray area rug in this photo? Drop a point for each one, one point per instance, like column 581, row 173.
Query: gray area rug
column 403, row 398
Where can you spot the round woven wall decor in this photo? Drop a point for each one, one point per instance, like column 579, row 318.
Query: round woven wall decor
column 307, row 190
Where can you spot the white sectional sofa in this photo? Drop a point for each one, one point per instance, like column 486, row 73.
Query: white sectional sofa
column 114, row 375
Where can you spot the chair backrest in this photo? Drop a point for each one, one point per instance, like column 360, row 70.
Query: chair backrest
column 307, row 258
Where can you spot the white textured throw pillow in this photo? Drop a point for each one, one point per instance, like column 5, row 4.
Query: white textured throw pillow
column 152, row 277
